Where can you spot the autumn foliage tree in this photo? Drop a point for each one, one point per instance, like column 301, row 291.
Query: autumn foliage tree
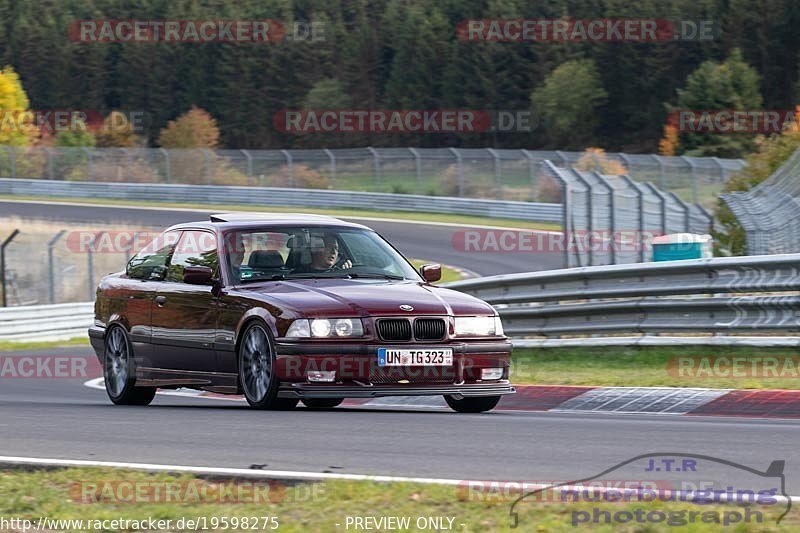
column 194, row 129
column 116, row 132
column 16, row 124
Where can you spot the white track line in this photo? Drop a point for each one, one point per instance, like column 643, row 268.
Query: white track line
column 232, row 472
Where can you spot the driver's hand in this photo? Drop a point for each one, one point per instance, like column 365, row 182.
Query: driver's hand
column 346, row 265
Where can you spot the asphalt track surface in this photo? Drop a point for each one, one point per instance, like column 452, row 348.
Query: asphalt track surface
column 63, row 419
column 417, row 240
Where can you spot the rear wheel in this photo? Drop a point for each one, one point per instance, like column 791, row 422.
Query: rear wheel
column 475, row 404
column 119, row 371
column 256, row 370
column 322, row 403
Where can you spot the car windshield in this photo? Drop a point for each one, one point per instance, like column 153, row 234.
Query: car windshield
column 276, row 253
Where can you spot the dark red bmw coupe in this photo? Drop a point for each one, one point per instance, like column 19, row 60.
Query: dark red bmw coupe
column 287, row 308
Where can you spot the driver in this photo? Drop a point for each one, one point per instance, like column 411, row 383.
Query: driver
column 323, row 259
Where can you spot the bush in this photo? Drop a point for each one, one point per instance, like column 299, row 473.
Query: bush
column 301, row 177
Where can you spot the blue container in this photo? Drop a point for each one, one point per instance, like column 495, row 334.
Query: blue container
column 679, row 246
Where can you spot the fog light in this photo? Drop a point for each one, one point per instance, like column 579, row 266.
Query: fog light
column 491, row 373
column 321, row 376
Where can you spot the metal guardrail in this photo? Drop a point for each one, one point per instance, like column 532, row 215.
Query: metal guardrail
column 756, row 294
column 45, row 322
column 270, row 196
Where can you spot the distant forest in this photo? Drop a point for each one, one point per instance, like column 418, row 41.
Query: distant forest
column 393, row 54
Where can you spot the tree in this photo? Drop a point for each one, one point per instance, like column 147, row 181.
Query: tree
column 568, row 101
column 716, row 86
column 326, row 94
column 771, row 153
column 16, row 124
column 194, row 129
column 116, row 132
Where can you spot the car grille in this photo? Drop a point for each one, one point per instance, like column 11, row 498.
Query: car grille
column 429, row 329
column 400, row 330
column 394, row 329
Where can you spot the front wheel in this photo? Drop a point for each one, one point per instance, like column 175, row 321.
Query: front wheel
column 257, row 370
column 322, row 403
column 475, row 404
column 119, row 371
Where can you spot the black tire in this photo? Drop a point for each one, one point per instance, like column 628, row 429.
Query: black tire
column 475, row 404
column 119, row 371
column 256, row 364
column 322, row 403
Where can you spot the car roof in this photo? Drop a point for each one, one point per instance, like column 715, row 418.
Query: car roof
column 229, row 221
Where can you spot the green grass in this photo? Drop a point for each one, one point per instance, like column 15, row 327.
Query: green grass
column 399, row 215
column 58, row 494
column 646, row 366
column 11, row 346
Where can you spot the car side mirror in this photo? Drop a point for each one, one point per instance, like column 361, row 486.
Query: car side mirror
column 431, row 273
column 197, row 275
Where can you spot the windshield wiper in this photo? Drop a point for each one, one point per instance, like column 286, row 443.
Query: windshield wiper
column 377, row 276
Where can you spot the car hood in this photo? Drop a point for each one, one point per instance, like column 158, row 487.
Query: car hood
column 343, row 297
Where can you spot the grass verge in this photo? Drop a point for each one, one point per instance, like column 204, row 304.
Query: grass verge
column 8, row 346
column 105, row 494
column 399, row 215
column 656, row 366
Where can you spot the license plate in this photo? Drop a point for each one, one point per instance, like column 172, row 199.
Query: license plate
column 419, row 357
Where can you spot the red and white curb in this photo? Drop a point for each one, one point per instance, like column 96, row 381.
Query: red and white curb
column 576, row 399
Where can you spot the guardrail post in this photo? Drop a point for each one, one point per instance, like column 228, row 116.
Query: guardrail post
column 694, row 178
column 249, row 160
column 333, row 167
column 685, row 206
column 532, row 171
column 3, row 265
column 12, row 160
column 88, row 164
column 459, row 171
column 661, row 170
column 51, row 264
column 417, row 168
column 663, row 203
column 640, row 219
column 49, row 155
column 567, row 223
column 498, row 173
column 289, row 167
column 376, row 159
column 612, row 217
column 563, row 156
column 90, row 263
column 167, row 169
column 209, row 171
column 589, row 215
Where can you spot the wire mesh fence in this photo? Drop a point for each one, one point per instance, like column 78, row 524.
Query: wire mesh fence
column 459, row 172
column 769, row 213
column 611, row 220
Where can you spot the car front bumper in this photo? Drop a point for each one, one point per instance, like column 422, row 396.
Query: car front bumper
column 358, row 376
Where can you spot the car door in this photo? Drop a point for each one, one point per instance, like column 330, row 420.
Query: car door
column 185, row 315
column 145, row 271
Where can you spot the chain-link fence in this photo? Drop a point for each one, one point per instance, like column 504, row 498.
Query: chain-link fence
column 611, row 220
column 44, row 265
column 459, row 172
column 769, row 213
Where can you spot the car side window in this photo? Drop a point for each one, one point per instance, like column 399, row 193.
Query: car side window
column 151, row 262
column 196, row 248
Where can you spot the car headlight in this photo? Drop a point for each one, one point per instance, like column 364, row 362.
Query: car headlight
column 478, row 326
column 324, row 327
